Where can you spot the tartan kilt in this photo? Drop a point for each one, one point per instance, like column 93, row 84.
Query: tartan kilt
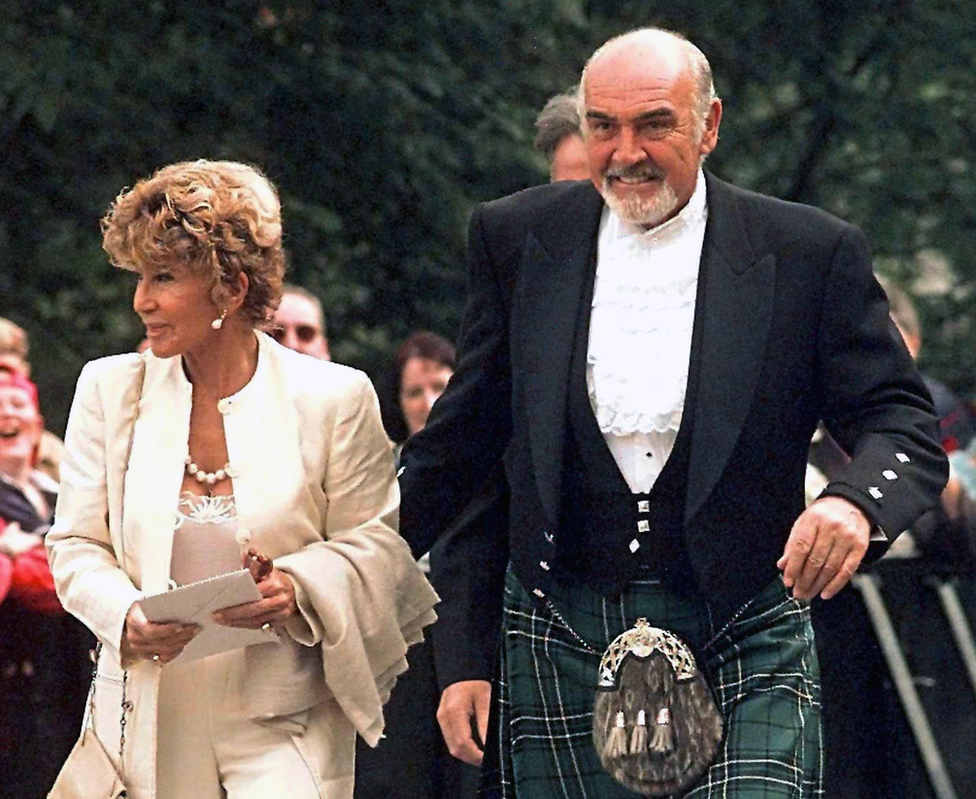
column 763, row 671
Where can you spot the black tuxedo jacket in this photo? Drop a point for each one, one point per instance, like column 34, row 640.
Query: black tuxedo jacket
column 794, row 329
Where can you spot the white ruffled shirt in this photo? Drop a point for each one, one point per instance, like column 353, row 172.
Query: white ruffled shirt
column 640, row 335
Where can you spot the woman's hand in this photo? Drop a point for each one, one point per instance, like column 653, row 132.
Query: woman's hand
column 148, row 640
column 276, row 606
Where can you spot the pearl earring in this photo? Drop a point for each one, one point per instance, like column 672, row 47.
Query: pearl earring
column 216, row 324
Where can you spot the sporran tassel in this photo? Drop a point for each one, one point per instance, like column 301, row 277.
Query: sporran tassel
column 617, row 739
column 638, row 738
column 662, row 739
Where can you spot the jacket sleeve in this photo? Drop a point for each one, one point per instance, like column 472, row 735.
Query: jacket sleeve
column 876, row 405
column 362, row 597
column 467, row 568
column 453, row 482
column 89, row 580
column 469, row 427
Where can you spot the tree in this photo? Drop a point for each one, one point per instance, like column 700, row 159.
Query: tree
column 383, row 124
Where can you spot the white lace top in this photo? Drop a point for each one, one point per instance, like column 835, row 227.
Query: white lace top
column 205, row 540
column 640, row 335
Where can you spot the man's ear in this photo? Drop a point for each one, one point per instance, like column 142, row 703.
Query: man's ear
column 712, row 121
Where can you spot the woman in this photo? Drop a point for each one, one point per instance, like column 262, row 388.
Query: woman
column 42, row 651
column 418, row 375
column 413, row 760
column 215, row 442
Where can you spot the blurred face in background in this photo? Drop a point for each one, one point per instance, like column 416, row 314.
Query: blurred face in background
column 569, row 160
column 421, row 383
column 297, row 325
column 14, row 363
column 20, row 428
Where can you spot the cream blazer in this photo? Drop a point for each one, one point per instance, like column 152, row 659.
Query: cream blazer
column 315, row 490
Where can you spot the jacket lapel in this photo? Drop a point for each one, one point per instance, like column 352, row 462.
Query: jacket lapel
column 556, row 262
column 738, row 304
column 155, row 473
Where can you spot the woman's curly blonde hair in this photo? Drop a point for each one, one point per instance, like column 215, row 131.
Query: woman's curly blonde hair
column 217, row 218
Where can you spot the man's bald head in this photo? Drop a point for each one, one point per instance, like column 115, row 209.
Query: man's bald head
column 661, row 46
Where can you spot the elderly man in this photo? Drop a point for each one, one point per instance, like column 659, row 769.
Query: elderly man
column 647, row 356
column 299, row 323
column 559, row 139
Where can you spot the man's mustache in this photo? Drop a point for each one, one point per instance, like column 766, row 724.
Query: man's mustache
column 644, row 169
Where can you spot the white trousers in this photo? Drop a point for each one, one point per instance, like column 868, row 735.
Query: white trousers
column 208, row 749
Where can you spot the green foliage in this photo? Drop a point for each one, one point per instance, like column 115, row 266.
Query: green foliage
column 383, row 124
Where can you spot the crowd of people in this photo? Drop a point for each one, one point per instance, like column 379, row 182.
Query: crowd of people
column 617, row 443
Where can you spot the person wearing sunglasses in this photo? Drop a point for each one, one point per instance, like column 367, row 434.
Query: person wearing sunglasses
column 299, row 323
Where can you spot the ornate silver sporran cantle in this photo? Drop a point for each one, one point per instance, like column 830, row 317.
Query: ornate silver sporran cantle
column 655, row 723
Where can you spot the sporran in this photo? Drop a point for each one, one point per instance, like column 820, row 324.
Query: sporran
column 656, row 726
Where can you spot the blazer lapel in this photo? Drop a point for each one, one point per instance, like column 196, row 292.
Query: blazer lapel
column 738, row 304
column 556, row 262
column 155, row 473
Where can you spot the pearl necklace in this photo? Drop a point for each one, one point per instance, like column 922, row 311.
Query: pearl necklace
column 206, row 478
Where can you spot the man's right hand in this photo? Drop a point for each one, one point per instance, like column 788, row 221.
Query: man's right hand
column 462, row 712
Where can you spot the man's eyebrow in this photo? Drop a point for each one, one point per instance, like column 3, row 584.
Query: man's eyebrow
column 647, row 116
column 657, row 113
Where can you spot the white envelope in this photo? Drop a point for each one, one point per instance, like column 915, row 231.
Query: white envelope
column 196, row 602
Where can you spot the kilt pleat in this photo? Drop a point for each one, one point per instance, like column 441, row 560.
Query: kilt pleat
column 763, row 670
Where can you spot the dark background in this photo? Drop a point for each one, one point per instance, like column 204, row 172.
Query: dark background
column 383, row 123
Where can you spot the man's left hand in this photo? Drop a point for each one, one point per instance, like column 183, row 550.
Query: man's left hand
column 825, row 548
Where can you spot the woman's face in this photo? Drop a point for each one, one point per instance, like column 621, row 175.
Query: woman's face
column 20, row 425
column 176, row 307
column 421, row 383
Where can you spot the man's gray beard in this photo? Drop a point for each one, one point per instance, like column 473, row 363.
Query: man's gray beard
column 644, row 212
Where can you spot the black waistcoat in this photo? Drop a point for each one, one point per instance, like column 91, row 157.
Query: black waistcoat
column 610, row 535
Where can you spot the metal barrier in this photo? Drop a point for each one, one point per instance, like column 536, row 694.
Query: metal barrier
column 869, row 586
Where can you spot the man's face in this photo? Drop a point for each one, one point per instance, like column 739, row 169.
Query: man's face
column 569, row 160
column 297, row 326
column 643, row 141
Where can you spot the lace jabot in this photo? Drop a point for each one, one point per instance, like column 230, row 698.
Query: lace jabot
column 642, row 318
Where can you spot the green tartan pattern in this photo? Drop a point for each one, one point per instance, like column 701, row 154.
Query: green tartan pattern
column 763, row 670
